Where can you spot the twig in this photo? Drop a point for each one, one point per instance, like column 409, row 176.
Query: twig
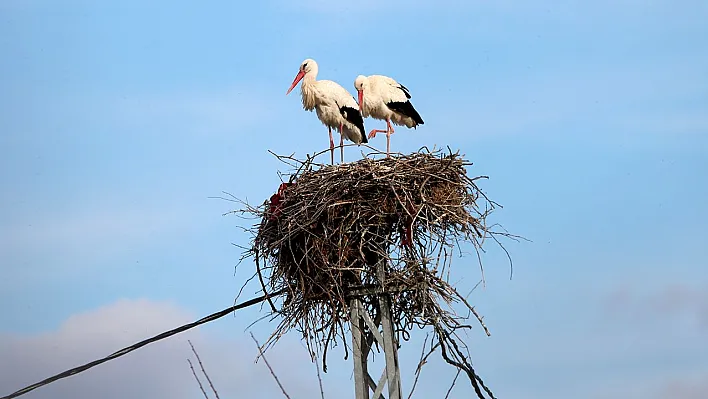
column 270, row 368
column 203, row 370
column 263, row 287
column 423, row 360
column 319, row 378
column 471, row 308
column 420, row 364
column 462, row 364
column 197, row 378
column 454, row 380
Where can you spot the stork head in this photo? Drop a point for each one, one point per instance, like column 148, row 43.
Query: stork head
column 361, row 83
column 308, row 67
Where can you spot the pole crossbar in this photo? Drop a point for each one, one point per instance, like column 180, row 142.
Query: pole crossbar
column 365, row 290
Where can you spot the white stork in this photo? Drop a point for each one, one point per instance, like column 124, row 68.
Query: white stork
column 381, row 97
column 336, row 108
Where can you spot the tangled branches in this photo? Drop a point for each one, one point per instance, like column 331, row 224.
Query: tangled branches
column 323, row 234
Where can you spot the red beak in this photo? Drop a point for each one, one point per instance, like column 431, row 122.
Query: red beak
column 295, row 82
column 361, row 100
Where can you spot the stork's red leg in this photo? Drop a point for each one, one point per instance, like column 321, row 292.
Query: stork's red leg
column 341, row 142
column 389, row 132
column 331, row 143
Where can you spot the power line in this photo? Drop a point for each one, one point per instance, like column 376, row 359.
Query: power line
column 140, row 344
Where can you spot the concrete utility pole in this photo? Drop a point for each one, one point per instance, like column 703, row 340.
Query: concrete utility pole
column 362, row 342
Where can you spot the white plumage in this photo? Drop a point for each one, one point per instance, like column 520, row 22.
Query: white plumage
column 336, row 108
column 381, row 97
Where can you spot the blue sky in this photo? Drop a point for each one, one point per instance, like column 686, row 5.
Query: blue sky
column 118, row 121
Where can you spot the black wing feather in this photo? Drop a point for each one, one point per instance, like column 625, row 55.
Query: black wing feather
column 405, row 108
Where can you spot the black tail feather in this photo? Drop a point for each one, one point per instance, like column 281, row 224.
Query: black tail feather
column 354, row 117
column 405, row 91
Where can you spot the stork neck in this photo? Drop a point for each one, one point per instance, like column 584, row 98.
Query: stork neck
column 309, row 78
column 309, row 91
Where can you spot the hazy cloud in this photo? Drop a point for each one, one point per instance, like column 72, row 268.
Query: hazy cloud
column 158, row 370
column 684, row 387
column 673, row 304
column 691, row 386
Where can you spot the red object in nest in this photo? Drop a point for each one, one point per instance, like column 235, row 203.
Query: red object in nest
column 408, row 238
column 277, row 199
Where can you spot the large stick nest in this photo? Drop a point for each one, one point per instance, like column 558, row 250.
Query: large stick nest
column 356, row 229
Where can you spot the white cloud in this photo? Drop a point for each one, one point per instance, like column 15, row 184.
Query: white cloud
column 159, row 370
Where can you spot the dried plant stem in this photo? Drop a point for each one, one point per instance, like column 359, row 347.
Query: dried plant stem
column 197, row 378
column 454, row 380
column 211, row 385
column 319, row 378
column 269, row 368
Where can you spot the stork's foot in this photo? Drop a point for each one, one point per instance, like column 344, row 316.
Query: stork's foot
column 372, row 134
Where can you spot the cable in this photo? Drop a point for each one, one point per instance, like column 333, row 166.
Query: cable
column 140, row 344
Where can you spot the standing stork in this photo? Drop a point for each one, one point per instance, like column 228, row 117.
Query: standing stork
column 381, row 97
column 336, row 108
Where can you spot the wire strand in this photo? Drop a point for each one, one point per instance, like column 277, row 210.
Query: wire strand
column 140, row 344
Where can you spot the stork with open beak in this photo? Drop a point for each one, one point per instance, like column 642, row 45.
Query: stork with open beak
column 381, row 97
column 336, row 108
